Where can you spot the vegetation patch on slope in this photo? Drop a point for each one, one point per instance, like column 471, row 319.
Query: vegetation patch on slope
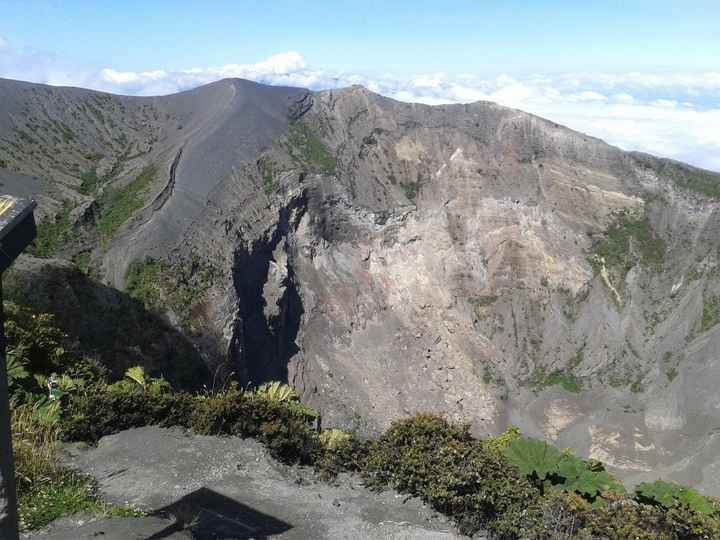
column 410, row 189
column 179, row 288
column 89, row 182
column 684, row 176
column 711, row 313
column 267, row 167
column 629, row 241
column 119, row 204
column 541, row 378
column 307, row 148
column 53, row 232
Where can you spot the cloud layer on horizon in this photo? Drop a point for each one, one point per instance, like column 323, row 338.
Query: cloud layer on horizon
column 675, row 115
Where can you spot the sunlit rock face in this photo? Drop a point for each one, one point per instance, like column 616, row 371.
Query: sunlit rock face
column 388, row 258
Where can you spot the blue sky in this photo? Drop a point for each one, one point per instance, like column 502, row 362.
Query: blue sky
column 485, row 37
column 641, row 74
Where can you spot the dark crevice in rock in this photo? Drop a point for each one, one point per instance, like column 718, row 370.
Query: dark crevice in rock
column 270, row 308
column 167, row 191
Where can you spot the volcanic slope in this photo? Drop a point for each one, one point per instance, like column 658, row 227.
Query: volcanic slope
column 387, row 258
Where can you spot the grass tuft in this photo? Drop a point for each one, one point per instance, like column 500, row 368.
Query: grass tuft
column 46, row 489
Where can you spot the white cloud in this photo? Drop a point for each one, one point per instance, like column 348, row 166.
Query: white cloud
column 665, row 103
column 587, row 95
column 624, row 98
column 671, row 114
column 428, row 81
column 128, row 77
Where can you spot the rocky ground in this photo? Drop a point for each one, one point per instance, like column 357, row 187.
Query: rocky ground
column 210, row 488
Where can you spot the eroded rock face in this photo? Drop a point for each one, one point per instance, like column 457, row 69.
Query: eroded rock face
column 388, row 258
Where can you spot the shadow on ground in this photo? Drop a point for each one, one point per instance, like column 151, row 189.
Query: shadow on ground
column 208, row 515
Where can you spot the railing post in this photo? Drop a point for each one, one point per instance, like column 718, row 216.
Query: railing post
column 17, row 230
column 8, row 496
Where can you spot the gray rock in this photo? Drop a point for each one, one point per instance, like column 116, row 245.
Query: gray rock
column 210, row 487
column 145, row 528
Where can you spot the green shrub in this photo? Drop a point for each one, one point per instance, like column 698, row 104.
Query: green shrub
column 624, row 520
column 33, row 340
column 137, row 374
column 440, row 462
column 101, row 410
column 35, row 351
column 349, row 455
column 687, row 523
column 277, row 392
column 266, row 168
column 400, row 456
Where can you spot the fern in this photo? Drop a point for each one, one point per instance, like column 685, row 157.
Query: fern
column 66, row 383
column 137, row 374
column 15, row 369
column 334, row 439
column 501, row 442
column 277, row 392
